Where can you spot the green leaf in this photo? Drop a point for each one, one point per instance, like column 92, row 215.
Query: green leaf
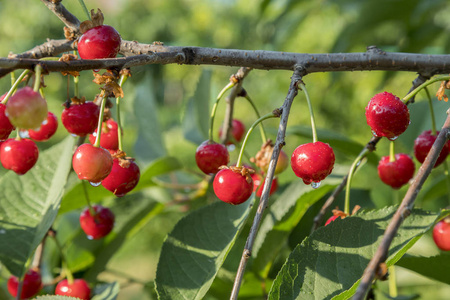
column 281, row 219
column 196, row 115
column 30, row 203
column 332, row 259
column 158, row 167
column 434, row 267
column 107, row 291
column 196, row 248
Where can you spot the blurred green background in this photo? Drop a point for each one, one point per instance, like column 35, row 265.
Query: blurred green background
column 285, row 25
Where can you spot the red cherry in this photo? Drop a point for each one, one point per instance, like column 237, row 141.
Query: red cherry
column 387, row 115
column 32, row 284
column 5, row 125
column 109, row 138
column 18, row 155
column 258, row 187
column 123, row 178
column 398, row 172
column 231, row 187
column 237, row 131
column 422, row 145
column 78, row 289
column 441, row 234
column 92, row 163
column 26, row 109
column 210, row 156
column 47, row 129
column 99, row 42
column 81, row 119
column 313, row 162
column 100, row 224
column 331, row 219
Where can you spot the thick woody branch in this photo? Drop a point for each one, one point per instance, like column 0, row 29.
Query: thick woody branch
column 403, row 211
column 64, row 15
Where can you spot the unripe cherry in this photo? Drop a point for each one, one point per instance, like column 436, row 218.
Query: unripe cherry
column 26, row 109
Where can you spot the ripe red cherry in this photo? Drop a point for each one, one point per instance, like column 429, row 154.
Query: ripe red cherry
column 331, row 219
column 32, row 284
column 441, row 234
column 47, row 129
column 78, row 289
column 237, row 131
column 18, row 155
column 123, row 178
column 99, row 42
column 26, row 109
column 5, row 125
column 100, row 224
column 210, row 156
column 398, row 172
column 313, row 162
column 109, row 138
column 422, row 145
column 231, row 187
column 81, row 119
column 92, row 163
column 258, row 187
column 387, row 115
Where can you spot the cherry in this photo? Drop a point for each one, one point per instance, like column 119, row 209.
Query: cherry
column 387, row 115
column 263, row 157
column 237, row 131
column 123, row 178
column 331, row 219
column 398, row 172
column 18, row 155
column 313, row 162
column 210, row 156
column 109, row 138
column 5, row 125
column 92, row 163
column 78, row 289
column 100, row 224
column 99, row 42
column 232, row 187
column 422, row 145
column 81, row 119
column 32, row 284
column 258, row 187
column 441, row 234
column 26, row 109
column 47, row 129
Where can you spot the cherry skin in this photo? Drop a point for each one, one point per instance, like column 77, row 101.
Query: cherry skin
column 387, row 115
column 47, row 129
column 99, row 42
column 422, row 145
column 123, row 178
column 237, row 131
column 313, row 162
column 441, row 234
column 26, row 109
column 231, row 187
column 109, row 138
column 32, row 284
column 18, row 155
column 100, row 224
column 5, row 125
column 81, row 119
column 331, row 219
column 210, row 156
column 78, row 289
column 258, row 187
column 92, row 163
column 396, row 173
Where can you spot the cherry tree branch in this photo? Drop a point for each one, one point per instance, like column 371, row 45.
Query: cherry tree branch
column 64, row 15
column 403, row 211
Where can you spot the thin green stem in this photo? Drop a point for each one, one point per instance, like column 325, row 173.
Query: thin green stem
column 86, row 195
column 14, row 86
column 123, row 78
column 13, row 78
column 263, row 131
column 349, row 179
column 214, row 109
column 393, row 293
column 433, row 119
column 76, row 80
column 37, row 77
column 391, row 151
column 18, row 138
column 423, row 85
column 65, row 267
column 311, row 113
column 86, row 11
column 100, row 122
column 244, row 143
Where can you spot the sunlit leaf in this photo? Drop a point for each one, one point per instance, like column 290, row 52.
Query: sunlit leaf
column 434, row 267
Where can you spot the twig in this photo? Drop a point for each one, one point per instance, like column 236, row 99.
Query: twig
column 64, row 15
column 293, row 90
column 403, row 211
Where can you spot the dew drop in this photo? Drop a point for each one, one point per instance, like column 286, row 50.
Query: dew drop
column 90, row 237
column 393, row 138
column 45, row 122
column 96, row 70
column 374, row 133
column 95, row 183
column 315, row 185
column 2, row 231
column 74, row 135
column 231, row 147
column 24, row 134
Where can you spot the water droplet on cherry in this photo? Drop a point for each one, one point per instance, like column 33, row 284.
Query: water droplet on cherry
column 316, row 185
column 95, row 184
column 393, row 138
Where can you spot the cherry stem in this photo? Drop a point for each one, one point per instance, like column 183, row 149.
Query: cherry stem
column 302, row 86
column 393, row 293
column 123, row 78
column 214, row 109
column 423, row 85
column 65, row 268
column 391, row 151
column 13, row 78
column 100, row 122
column 433, row 119
column 14, row 86
column 355, row 164
column 18, row 138
column 86, row 195
column 263, row 132
column 37, row 77
column 85, row 9
column 244, row 143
